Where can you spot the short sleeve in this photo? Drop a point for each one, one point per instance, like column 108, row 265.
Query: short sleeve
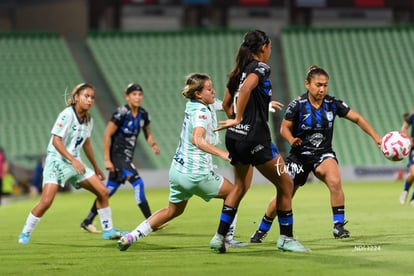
column 262, row 70
column 200, row 118
column 118, row 115
column 341, row 107
column 62, row 124
column 291, row 110
column 218, row 104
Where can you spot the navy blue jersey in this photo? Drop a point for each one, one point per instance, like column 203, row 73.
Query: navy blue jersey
column 314, row 125
column 253, row 126
column 124, row 140
column 410, row 122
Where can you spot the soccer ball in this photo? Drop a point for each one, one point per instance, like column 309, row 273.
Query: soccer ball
column 395, row 146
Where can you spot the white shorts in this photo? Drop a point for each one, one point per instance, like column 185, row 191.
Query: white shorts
column 61, row 172
column 184, row 186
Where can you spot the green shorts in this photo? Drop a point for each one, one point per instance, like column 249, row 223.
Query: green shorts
column 184, row 186
column 61, row 172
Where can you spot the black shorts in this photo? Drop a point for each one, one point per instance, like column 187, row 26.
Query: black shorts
column 250, row 153
column 123, row 168
column 300, row 167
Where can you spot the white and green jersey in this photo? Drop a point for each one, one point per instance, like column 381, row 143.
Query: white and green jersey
column 188, row 158
column 73, row 133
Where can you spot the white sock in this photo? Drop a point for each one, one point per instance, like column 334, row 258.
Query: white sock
column 30, row 224
column 142, row 230
column 232, row 229
column 105, row 215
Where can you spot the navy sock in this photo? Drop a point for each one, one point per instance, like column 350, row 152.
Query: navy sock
column 285, row 219
column 338, row 214
column 226, row 218
column 92, row 214
column 112, row 186
column 266, row 223
column 145, row 209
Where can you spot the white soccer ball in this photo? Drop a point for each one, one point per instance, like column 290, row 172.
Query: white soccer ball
column 395, row 146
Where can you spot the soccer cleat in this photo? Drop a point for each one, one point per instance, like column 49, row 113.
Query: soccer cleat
column 24, row 238
column 339, row 232
column 125, row 242
column 234, row 243
column 258, row 236
column 285, row 243
column 89, row 228
column 403, row 197
column 112, row 234
column 218, row 244
column 412, row 202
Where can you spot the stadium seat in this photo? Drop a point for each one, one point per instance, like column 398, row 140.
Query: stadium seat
column 37, row 69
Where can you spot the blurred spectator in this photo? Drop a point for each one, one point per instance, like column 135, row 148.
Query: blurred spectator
column 38, row 177
column 2, row 164
column 9, row 183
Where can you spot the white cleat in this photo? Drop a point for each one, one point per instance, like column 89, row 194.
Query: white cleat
column 403, row 197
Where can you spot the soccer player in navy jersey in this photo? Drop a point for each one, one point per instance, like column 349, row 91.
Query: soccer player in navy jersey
column 120, row 140
column 408, row 122
column 248, row 140
column 308, row 128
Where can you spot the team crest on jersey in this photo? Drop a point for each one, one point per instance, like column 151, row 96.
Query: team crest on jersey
column 202, row 117
column 329, row 115
column 316, row 139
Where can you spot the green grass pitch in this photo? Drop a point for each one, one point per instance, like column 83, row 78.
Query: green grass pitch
column 381, row 243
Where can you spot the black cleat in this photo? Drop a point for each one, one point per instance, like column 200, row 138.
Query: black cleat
column 339, row 232
column 258, row 236
column 89, row 227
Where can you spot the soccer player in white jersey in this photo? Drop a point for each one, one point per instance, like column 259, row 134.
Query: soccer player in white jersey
column 191, row 172
column 71, row 133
